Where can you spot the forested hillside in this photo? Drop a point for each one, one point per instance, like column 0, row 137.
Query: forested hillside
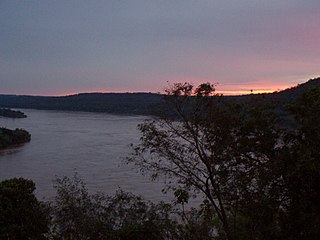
column 116, row 103
column 135, row 103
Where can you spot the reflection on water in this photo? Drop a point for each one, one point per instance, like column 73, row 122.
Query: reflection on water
column 12, row 150
column 92, row 143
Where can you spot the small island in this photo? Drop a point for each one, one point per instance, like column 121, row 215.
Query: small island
column 10, row 138
column 6, row 112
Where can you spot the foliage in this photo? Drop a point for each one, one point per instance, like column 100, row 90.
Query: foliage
column 301, row 170
column 10, row 138
column 226, row 152
column 76, row 214
column 21, row 215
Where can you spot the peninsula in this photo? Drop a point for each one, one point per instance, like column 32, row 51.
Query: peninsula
column 9, row 113
column 11, row 138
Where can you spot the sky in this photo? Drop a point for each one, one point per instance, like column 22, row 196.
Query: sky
column 59, row 47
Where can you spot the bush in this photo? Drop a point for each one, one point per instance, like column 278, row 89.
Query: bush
column 76, row 214
column 22, row 215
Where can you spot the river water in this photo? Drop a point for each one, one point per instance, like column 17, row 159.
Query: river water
column 91, row 144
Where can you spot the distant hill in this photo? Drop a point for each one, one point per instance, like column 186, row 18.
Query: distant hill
column 135, row 103
column 291, row 95
column 282, row 98
column 116, row 103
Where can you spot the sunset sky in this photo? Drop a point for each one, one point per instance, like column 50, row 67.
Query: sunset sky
column 57, row 47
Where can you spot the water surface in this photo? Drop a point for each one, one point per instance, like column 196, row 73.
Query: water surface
column 93, row 144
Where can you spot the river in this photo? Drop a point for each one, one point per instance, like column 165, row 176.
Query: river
column 92, row 144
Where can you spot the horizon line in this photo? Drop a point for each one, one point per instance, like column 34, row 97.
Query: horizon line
column 240, row 92
column 223, row 92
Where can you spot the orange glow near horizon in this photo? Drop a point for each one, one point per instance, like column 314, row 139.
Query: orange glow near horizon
column 254, row 88
column 224, row 89
column 244, row 92
column 257, row 86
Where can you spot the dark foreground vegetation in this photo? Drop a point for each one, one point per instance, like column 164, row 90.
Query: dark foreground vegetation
column 6, row 112
column 77, row 215
column 10, row 138
column 259, row 177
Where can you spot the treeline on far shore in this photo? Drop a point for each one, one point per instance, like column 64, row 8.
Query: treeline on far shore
column 139, row 103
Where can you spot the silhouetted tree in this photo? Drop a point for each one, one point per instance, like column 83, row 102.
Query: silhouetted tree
column 224, row 151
